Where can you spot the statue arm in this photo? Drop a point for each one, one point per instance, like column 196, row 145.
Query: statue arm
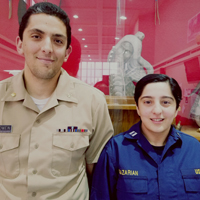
column 195, row 90
column 146, row 65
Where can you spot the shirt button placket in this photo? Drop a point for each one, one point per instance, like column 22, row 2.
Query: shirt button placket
column 35, row 145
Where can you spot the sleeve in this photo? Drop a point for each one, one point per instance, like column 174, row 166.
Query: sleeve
column 102, row 130
column 104, row 177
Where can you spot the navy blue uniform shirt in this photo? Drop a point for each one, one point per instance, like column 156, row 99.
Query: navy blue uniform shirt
column 129, row 168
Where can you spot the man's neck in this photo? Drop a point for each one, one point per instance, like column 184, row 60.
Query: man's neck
column 40, row 88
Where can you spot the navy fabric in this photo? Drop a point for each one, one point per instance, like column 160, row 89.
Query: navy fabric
column 129, row 168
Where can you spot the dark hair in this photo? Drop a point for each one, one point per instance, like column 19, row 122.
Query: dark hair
column 49, row 9
column 153, row 78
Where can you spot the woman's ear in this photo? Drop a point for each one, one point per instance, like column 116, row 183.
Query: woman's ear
column 178, row 109
column 68, row 51
column 19, row 46
column 138, row 111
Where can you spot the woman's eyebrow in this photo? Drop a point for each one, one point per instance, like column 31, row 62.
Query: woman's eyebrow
column 167, row 97
column 163, row 97
column 150, row 97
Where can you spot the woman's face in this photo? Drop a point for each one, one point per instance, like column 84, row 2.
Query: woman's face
column 157, row 108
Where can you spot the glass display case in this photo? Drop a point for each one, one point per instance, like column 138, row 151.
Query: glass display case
column 117, row 42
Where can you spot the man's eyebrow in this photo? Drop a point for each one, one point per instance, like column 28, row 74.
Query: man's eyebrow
column 59, row 35
column 36, row 30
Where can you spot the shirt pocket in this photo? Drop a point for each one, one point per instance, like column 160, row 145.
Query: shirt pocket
column 191, row 179
column 9, row 155
column 69, row 152
column 136, row 184
column 132, row 187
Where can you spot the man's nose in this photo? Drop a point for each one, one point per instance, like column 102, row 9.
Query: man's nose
column 47, row 46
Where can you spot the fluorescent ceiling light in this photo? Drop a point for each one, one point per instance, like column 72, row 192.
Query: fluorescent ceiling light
column 123, row 17
column 75, row 16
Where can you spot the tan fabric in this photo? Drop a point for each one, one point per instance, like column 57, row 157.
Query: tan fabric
column 36, row 160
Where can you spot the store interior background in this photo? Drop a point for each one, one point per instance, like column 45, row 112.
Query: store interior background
column 167, row 45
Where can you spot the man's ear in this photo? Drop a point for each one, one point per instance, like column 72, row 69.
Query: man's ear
column 19, row 46
column 68, row 51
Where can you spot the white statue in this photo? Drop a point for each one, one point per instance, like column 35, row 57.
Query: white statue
column 127, row 53
column 195, row 110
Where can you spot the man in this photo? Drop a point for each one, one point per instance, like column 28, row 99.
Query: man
column 152, row 160
column 52, row 126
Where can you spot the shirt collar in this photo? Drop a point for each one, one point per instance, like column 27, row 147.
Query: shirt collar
column 15, row 90
column 134, row 133
column 175, row 134
column 65, row 89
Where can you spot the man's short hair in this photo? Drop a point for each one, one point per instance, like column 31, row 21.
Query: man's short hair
column 49, row 9
column 154, row 78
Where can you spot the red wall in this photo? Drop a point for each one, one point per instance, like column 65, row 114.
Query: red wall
column 170, row 39
column 171, row 34
column 9, row 27
column 9, row 58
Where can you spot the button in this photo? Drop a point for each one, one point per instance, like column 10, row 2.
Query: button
column 36, row 146
column 34, row 194
column 34, row 171
column 1, row 146
column 69, row 95
column 13, row 94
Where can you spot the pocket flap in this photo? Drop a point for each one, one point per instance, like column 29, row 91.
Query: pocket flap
column 191, row 178
column 70, row 141
column 8, row 142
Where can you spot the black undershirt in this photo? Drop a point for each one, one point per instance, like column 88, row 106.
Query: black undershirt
column 158, row 150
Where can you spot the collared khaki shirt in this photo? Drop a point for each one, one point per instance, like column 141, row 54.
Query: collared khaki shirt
column 43, row 154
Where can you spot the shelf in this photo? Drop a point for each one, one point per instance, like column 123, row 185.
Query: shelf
column 120, row 103
column 191, row 130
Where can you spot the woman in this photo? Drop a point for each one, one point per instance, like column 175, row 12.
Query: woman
column 152, row 160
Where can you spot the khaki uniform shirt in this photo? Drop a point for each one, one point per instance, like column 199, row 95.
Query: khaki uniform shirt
column 44, row 156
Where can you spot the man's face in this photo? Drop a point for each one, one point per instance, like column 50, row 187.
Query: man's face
column 157, row 108
column 44, row 46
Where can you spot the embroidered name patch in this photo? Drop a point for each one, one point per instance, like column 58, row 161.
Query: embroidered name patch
column 5, row 128
column 197, row 171
column 128, row 172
